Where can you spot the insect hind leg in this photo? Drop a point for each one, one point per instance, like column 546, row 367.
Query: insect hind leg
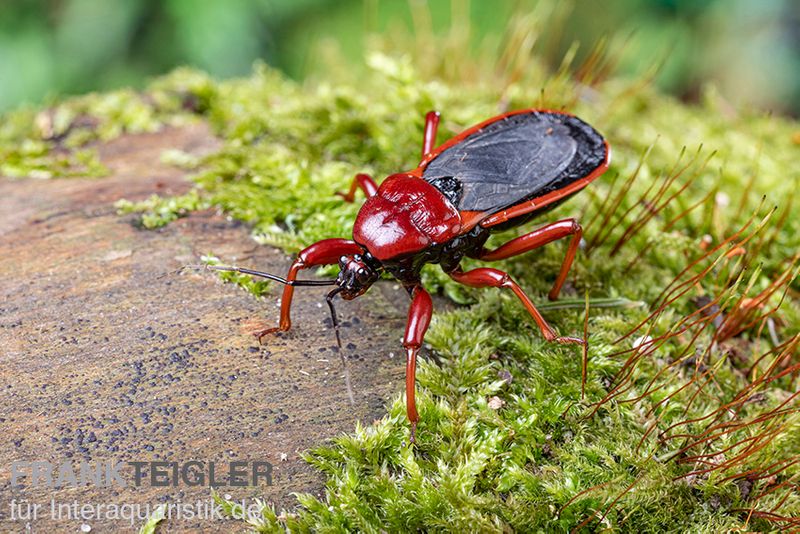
column 538, row 238
column 488, row 277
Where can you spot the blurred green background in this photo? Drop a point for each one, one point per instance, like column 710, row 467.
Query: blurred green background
column 748, row 49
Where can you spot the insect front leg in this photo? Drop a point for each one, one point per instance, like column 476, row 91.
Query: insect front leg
column 325, row 252
column 431, row 127
column 538, row 238
column 487, row 277
column 363, row 181
column 419, row 317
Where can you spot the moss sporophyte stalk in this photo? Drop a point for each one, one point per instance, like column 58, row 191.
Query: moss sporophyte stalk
column 688, row 417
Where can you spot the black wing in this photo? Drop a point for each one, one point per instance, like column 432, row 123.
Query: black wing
column 516, row 158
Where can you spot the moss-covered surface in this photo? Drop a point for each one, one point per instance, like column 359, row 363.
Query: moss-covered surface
column 687, row 421
column 56, row 141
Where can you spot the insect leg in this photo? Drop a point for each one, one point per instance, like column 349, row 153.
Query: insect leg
column 540, row 237
column 431, row 127
column 323, row 252
column 487, row 277
column 419, row 317
column 365, row 182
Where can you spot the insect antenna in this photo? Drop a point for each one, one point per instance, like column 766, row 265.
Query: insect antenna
column 275, row 278
column 335, row 321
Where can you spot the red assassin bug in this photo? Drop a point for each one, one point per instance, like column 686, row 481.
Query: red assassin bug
column 496, row 175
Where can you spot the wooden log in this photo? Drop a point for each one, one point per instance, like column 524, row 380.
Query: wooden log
column 105, row 356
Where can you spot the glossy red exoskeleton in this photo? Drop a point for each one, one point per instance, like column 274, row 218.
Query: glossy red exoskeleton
column 496, row 175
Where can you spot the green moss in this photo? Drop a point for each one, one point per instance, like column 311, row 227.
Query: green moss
column 151, row 525
column 541, row 456
column 160, row 211
column 58, row 141
column 523, row 466
column 255, row 286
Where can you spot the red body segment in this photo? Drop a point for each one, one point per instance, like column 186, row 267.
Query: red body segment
column 406, row 215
